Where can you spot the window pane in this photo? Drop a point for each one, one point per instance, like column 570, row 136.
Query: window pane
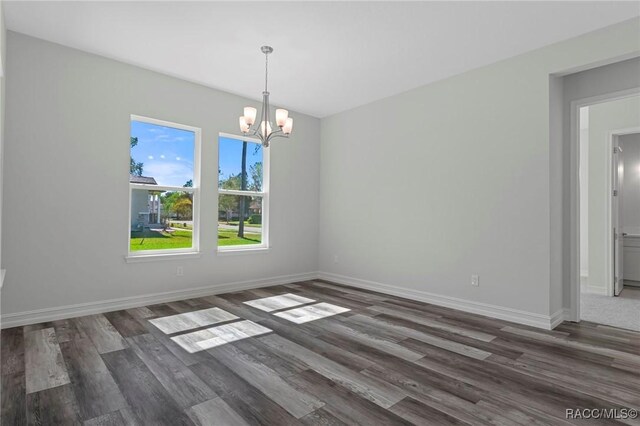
column 161, row 155
column 232, row 154
column 161, row 220
column 230, row 220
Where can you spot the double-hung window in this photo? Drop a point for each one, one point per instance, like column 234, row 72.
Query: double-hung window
column 243, row 194
column 164, row 179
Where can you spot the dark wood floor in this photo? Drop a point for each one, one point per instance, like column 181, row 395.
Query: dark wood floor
column 386, row 361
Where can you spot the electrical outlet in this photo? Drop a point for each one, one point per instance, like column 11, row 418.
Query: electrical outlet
column 179, row 271
column 336, row 259
column 475, row 280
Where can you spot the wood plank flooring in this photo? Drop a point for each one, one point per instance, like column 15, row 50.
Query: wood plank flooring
column 320, row 354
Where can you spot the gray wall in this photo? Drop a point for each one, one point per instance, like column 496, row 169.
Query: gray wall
column 67, row 153
column 423, row 189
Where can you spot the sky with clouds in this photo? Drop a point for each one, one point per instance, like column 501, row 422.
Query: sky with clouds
column 166, row 153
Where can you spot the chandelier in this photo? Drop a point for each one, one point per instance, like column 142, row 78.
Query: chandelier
column 265, row 131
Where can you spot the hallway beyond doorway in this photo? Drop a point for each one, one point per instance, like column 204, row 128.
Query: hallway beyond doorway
column 622, row 311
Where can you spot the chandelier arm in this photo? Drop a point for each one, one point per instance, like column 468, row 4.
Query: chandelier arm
column 273, row 136
column 257, row 136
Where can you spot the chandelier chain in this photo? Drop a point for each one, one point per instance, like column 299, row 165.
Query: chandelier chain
column 266, row 70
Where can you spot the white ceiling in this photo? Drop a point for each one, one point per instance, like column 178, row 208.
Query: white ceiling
column 329, row 56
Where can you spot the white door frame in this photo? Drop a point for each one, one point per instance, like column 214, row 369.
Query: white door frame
column 574, row 193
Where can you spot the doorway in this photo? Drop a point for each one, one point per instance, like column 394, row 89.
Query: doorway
column 609, row 206
column 626, row 216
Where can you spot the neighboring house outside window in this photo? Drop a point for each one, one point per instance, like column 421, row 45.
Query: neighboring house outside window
column 243, row 194
column 164, row 187
column 145, row 205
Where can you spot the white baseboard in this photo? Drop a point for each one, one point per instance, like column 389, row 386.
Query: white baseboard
column 69, row 311
column 546, row 322
column 563, row 314
column 90, row 308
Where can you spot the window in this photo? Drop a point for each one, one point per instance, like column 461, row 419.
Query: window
column 243, row 193
column 164, row 191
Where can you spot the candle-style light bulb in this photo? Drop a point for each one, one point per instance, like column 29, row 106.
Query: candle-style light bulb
column 262, row 129
column 281, row 117
column 288, row 126
column 250, row 115
column 244, row 127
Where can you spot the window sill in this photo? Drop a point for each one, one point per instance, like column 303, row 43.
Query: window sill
column 160, row 257
column 243, row 250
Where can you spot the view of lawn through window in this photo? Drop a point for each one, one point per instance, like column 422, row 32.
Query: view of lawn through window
column 241, row 193
column 161, row 178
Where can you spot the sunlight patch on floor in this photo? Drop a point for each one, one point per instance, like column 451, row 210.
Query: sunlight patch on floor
column 220, row 335
column 282, row 301
column 190, row 320
column 311, row 312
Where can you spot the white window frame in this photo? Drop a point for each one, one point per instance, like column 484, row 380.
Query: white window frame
column 194, row 250
column 264, row 245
